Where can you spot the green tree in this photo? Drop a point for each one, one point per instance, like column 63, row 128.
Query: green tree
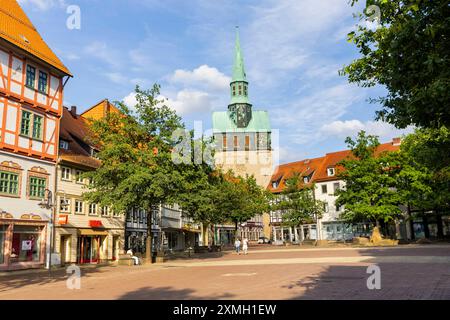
column 135, row 151
column 370, row 183
column 298, row 204
column 408, row 54
column 426, row 160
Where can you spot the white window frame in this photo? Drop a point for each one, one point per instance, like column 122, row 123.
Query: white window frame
column 95, row 213
column 78, row 173
column 331, row 172
column 75, row 206
column 63, row 176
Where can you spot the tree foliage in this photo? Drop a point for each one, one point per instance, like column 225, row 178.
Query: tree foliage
column 409, row 55
column 370, row 183
column 297, row 202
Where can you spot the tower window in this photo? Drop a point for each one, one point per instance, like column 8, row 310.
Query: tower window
column 247, row 143
column 224, row 141
column 236, row 143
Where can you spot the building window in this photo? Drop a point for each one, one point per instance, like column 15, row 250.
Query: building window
column 9, row 183
column 336, row 187
column 104, row 211
column 65, row 173
column 42, row 84
column 31, row 75
column 79, row 176
column 305, row 179
column 338, row 208
column 78, row 206
column 26, row 244
column 37, row 127
column 234, row 90
column 115, row 214
column 235, row 143
column 245, row 90
column 247, row 143
column 31, row 123
column 37, row 187
column 25, row 123
column 63, row 144
column 93, row 209
column 64, row 205
column 325, row 207
column 324, row 189
column 224, row 141
column 330, row 172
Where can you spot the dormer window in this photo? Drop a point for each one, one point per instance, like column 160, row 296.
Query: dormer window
column 330, row 172
column 306, row 179
column 94, row 153
column 63, row 144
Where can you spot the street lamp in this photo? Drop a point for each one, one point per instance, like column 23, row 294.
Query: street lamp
column 48, row 203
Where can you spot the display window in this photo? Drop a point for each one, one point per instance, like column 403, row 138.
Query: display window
column 26, row 244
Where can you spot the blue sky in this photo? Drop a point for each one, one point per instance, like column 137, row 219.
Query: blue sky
column 293, row 50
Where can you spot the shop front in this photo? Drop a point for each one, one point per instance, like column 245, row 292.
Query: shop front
column 90, row 246
column 22, row 242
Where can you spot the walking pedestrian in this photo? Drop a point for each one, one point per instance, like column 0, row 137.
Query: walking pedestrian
column 245, row 245
column 237, row 245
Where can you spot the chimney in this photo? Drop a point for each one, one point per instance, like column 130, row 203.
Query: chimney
column 73, row 111
column 396, row 141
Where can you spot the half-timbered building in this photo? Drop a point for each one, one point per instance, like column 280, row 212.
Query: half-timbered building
column 31, row 94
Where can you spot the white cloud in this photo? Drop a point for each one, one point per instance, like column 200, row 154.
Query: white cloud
column 116, row 77
column 101, row 51
column 203, row 76
column 185, row 102
column 72, row 56
column 342, row 129
column 43, row 5
column 189, row 102
column 130, row 100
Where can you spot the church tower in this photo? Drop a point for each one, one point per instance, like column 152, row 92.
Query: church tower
column 243, row 136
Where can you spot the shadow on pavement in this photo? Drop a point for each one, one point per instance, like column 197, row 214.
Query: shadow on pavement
column 168, row 293
column 22, row 279
column 398, row 282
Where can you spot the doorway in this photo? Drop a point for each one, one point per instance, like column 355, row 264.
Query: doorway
column 88, row 249
column 115, row 248
column 64, row 249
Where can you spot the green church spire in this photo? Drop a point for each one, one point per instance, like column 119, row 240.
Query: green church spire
column 240, row 109
column 238, row 68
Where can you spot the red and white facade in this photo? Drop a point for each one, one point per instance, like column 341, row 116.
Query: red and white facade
column 30, row 112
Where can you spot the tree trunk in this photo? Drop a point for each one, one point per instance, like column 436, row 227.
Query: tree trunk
column 411, row 222
column 149, row 240
column 440, row 230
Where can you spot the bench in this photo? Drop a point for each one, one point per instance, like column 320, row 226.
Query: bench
column 125, row 260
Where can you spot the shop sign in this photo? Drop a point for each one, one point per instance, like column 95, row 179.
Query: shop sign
column 63, row 219
column 95, row 223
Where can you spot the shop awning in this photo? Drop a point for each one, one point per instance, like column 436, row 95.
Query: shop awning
column 92, row 232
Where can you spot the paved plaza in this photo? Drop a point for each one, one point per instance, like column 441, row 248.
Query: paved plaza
column 407, row 272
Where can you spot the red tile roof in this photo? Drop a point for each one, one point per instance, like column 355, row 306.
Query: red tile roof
column 318, row 166
column 75, row 130
column 16, row 28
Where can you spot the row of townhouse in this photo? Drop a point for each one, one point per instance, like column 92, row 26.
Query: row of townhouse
column 322, row 172
column 44, row 150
